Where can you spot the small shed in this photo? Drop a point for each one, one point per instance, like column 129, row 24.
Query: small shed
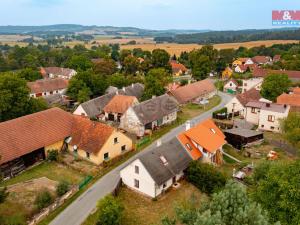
column 240, row 137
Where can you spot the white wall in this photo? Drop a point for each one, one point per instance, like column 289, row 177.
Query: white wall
column 264, row 124
column 230, row 85
column 80, row 111
column 252, row 116
column 47, row 93
column 146, row 183
column 169, row 118
column 236, row 105
column 130, row 122
column 252, row 83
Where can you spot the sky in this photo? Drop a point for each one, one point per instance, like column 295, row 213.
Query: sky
column 150, row 14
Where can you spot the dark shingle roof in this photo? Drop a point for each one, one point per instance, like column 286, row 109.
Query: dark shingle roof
column 95, row 106
column 250, row 95
column 243, row 132
column 177, row 160
column 155, row 108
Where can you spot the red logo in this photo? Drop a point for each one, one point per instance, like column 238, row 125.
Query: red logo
column 286, row 15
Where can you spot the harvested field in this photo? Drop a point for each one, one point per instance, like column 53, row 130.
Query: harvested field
column 174, row 48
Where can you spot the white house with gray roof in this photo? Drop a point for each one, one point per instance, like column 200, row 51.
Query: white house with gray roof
column 149, row 114
column 94, row 107
column 156, row 171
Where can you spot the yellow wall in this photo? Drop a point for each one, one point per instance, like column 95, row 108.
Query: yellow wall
column 55, row 146
column 114, row 150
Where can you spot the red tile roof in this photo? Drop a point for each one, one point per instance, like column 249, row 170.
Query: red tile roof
column 45, row 71
column 47, row 85
column 192, row 91
column 250, row 95
column 89, row 135
column 292, row 74
column 296, row 90
column 289, row 99
column 119, row 104
column 259, row 59
column 176, row 67
column 276, row 58
column 28, row 133
column 206, row 134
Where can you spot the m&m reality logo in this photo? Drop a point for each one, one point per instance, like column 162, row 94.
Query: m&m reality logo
column 286, row 17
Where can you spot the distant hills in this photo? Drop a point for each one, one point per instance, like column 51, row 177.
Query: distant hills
column 93, row 30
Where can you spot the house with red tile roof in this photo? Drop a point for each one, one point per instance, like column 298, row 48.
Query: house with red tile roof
column 26, row 140
column 261, row 60
column 178, row 69
column 203, row 142
column 117, row 106
column 194, row 92
column 292, row 74
column 291, row 99
column 231, row 86
column 47, row 87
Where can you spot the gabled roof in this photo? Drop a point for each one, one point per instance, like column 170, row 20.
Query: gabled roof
column 260, row 72
column 119, row 104
column 176, row 157
column 94, row 107
column 176, row 67
column 243, row 132
column 89, row 135
column 296, row 90
column 250, row 95
column 28, row 133
column 192, row 91
column 206, row 134
column 289, row 99
column 46, row 85
column 260, row 59
column 45, row 71
column 273, row 107
column 155, row 108
column 276, row 58
column 233, row 81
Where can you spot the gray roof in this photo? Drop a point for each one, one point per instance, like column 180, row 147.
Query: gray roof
column 243, row 132
column 155, row 108
column 255, row 104
column 177, row 160
column 273, row 107
column 95, row 106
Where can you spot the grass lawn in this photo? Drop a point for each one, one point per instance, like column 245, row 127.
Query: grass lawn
column 144, row 211
column 51, row 170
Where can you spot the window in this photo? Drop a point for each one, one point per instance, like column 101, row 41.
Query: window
column 245, row 84
column 271, row 118
column 164, row 185
column 56, row 91
column 272, row 128
column 188, row 146
column 115, row 140
column 262, row 125
column 136, row 169
column 123, row 148
column 75, row 149
column 51, row 92
column 213, row 130
column 204, row 151
column 253, row 110
column 230, row 84
column 88, row 155
column 106, row 156
column 136, row 183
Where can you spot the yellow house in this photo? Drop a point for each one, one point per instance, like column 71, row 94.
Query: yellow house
column 227, row 73
column 97, row 142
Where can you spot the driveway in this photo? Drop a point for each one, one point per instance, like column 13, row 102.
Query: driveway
column 79, row 210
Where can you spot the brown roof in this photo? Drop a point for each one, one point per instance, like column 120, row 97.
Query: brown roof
column 292, row 74
column 296, row 90
column 119, row 104
column 233, row 81
column 46, row 85
column 45, row 71
column 28, row 133
column 192, row 91
column 259, row 59
column 251, row 95
column 89, row 135
column 289, row 99
column 276, row 58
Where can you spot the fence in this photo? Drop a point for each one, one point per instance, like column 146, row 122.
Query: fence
column 142, row 142
column 117, row 188
column 85, row 181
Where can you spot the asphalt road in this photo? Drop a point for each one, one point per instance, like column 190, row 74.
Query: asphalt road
column 79, row 210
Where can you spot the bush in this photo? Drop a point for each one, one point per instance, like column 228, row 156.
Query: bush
column 52, row 155
column 43, row 199
column 62, row 188
column 221, row 111
column 110, row 211
column 3, row 194
column 205, row 177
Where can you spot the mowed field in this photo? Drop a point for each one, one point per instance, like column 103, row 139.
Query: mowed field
column 176, row 49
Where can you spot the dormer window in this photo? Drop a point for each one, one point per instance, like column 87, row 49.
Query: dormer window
column 213, row 130
column 164, row 160
column 188, row 146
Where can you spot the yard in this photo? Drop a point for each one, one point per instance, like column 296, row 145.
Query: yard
column 144, row 211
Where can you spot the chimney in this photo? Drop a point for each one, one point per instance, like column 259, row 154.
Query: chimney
column 187, row 125
column 285, row 106
column 268, row 105
column 158, row 143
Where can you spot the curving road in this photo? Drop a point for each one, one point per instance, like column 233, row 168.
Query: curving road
column 79, row 210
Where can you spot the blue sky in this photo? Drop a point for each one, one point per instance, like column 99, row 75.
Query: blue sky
column 152, row 14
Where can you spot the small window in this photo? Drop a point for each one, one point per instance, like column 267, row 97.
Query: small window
column 106, row 156
column 253, row 110
column 204, row 151
column 271, row 118
column 189, row 146
column 164, row 185
column 230, row 84
column 245, row 84
column 88, row 155
column 115, row 140
column 123, row 148
column 213, row 130
column 272, row 128
column 262, row 125
column 56, row 91
column 51, row 92
column 136, row 169
column 136, row 183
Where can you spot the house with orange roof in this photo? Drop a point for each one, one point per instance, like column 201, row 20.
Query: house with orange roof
column 178, row 69
column 117, row 106
column 227, row 73
column 242, row 61
column 203, row 142
column 291, row 99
